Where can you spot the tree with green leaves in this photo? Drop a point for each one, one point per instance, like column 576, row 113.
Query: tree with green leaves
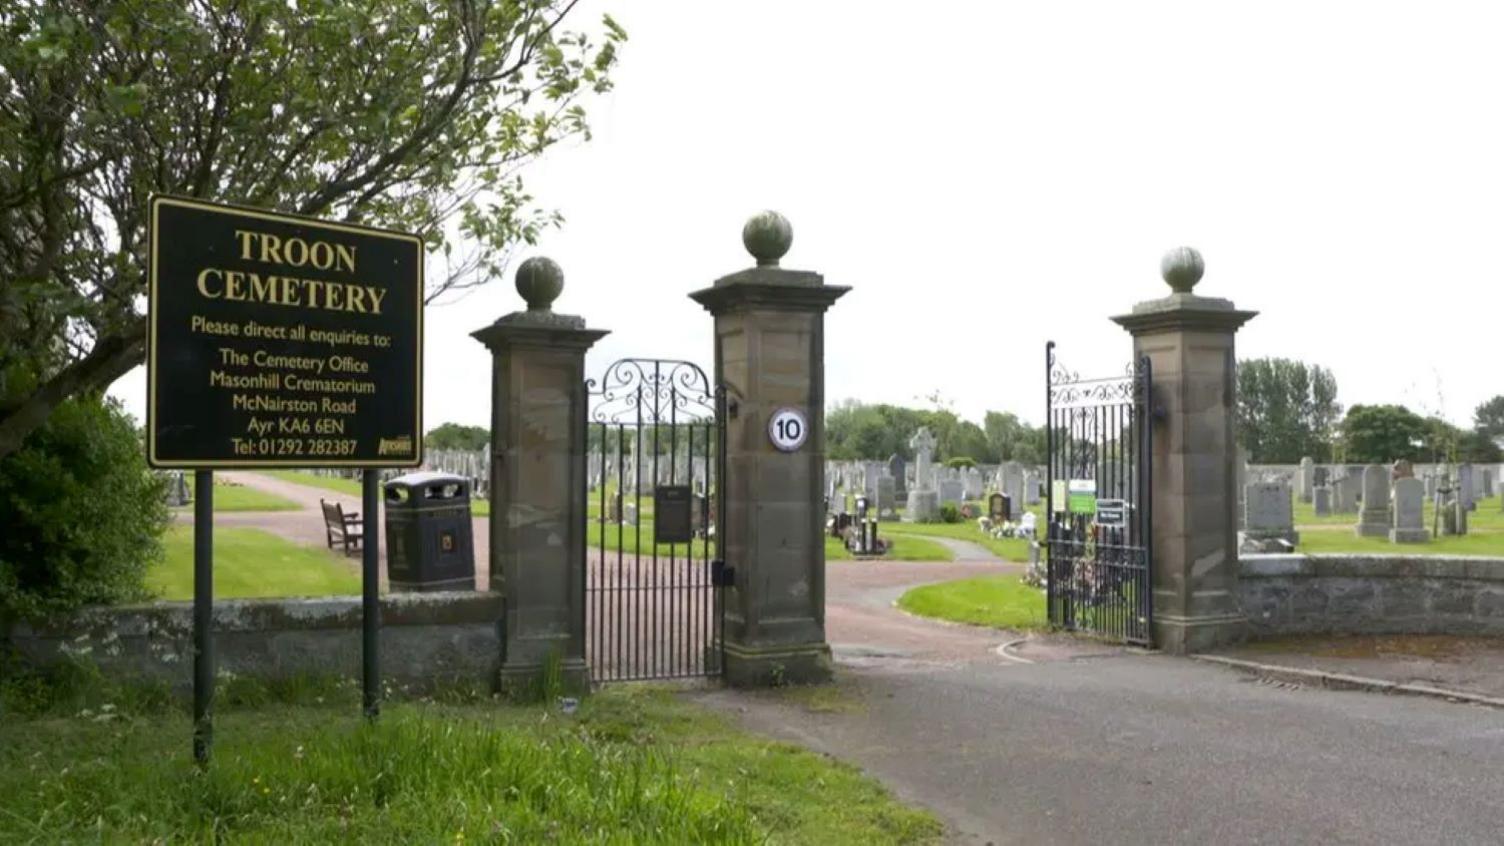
column 1488, row 419
column 1286, row 410
column 1379, row 434
column 416, row 115
column 1011, row 439
column 458, row 437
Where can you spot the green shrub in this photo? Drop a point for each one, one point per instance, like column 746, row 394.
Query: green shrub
column 949, row 513
column 960, row 462
column 84, row 516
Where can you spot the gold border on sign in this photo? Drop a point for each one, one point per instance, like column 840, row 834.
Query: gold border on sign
column 155, row 202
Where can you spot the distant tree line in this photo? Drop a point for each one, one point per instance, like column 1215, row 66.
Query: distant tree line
column 857, row 430
column 1288, row 410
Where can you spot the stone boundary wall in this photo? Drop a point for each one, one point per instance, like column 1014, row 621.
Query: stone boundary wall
column 427, row 639
column 1372, row 594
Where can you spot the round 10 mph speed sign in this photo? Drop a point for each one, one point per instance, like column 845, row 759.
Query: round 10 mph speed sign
column 788, row 429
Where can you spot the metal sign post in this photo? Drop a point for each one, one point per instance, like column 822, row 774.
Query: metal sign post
column 203, row 614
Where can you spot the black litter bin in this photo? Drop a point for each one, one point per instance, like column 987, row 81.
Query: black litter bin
column 429, row 542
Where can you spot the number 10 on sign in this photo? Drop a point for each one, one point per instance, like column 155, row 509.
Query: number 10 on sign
column 788, row 429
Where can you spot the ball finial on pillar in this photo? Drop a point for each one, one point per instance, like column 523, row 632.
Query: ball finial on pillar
column 1182, row 268
column 767, row 236
column 540, row 280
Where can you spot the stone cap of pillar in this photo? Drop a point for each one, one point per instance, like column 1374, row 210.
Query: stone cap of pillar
column 539, row 280
column 1181, row 269
column 767, row 236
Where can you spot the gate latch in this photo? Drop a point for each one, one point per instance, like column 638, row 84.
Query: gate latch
column 721, row 575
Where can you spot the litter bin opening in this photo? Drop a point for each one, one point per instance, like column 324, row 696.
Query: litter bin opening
column 396, row 494
column 443, row 491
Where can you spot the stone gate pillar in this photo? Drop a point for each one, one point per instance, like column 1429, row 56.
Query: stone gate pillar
column 1189, row 342
column 770, row 355
column 537, row 521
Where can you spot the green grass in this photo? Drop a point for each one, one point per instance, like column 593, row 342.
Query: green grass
column 1344, row 540
column 1009, row 549
column 1003, row 602
column 1489, row 516
column 350, row 487
column 251, row 562
column 633, row 765
column 228, row 497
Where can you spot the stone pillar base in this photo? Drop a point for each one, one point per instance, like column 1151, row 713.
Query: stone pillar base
column 1371, row 530
column 525, row 681
column 771, row 666
column 1409, row 535
column 1184, row 635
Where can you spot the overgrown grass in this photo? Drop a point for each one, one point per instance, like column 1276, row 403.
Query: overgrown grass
column 633, row 765
column 251, row 562
column 1003, row 602
column 232, row 497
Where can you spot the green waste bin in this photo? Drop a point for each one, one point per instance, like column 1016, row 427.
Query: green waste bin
column 430, row 544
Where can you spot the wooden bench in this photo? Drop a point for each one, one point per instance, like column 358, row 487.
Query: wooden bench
column 345, row 528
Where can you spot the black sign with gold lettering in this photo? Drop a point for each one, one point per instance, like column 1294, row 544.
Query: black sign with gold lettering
column 671, row 514
column 281, row 341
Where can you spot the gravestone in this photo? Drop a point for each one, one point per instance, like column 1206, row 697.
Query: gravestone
column 952, row 492
column 897, row 467
column 997, row 508
column 1467, row 493
column 1345, row 493
column 1430, row 486
column 629, row 514
column 1240, row 466
column 1488, row 482
column 1373, row 520
column 1307, row 478
column 1322, row 497
column 871, row 472
column 1319, row 476
column 1031, row 488
column 923, row 502
column 1269, row 518
column 886, row 499
column 1409, row 513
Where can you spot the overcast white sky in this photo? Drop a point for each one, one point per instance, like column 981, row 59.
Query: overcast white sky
column 988, row 176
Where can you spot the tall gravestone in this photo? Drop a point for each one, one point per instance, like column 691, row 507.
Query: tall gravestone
column 897, row 468
column 1409, row 515
column 1321, row 500
column 1307, row 485
column 1373, row 519
column 1269, row 522
column 770, row 358
column 537, row 520
column 1188, row 340
column 924, row 500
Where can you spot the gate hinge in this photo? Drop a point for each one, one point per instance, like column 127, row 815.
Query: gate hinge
column 721, row 575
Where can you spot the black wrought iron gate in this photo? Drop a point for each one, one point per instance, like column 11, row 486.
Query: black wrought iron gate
column 1100, row 560
column 655, row 459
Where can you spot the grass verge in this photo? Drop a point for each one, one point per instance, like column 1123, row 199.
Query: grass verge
column 633, row 765
column 228, row 497
column 251, row 562
column 1003, row 602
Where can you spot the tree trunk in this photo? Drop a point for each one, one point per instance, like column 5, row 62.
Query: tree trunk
column 111, row 357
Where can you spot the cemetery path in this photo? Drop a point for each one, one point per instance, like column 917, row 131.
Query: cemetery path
column 962, row 550
column 1145, row 748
